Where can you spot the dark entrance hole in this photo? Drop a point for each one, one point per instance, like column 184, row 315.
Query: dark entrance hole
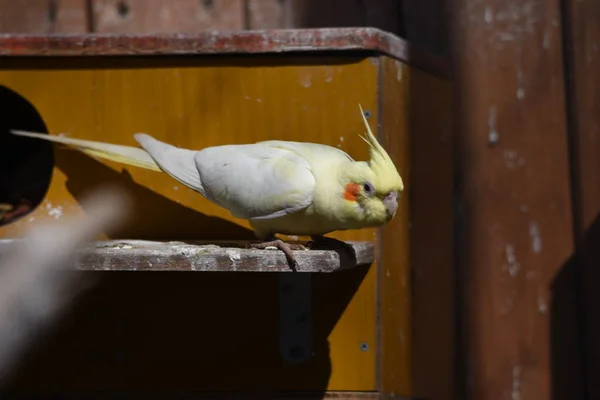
column 25, row 164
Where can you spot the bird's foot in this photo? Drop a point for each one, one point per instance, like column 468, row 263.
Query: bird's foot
column 286, row 248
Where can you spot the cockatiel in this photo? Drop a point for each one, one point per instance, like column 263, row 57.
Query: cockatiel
column 280, row 187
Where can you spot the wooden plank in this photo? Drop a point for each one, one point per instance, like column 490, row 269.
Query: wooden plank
column 136, row 255
column 13, row 18
column 582, row 27
column 43, row 16
column 147, row 332
column 70, row 16
column 244, row 42
column 418, row 329
column 395, row 328
column 514, row 192
column 166, row 16
column 265, row 14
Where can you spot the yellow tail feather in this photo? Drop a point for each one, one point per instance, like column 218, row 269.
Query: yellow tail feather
column 113, row 152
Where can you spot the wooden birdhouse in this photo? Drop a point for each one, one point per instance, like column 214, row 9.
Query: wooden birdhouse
column 214, row 317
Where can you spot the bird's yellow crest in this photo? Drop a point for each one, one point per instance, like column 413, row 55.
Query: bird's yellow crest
column 388, row 178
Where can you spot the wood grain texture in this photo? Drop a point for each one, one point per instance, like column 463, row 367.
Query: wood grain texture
column 70, row 16
column 14, row 18
column 265, row 14
column 43, row 16
column 396, row 333
column 417, row 353
column 196, row 102
column 514, row 192
column 166, row 16
column 136, row 255
column 582, row 26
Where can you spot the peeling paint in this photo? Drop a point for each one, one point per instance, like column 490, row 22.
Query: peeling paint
column 55, row 212
column 511, row 259
column 542, row 305
column 306, row 81
column 399, row 71
column 520, row 94
column 516, row 382
column 258, row 100
column 536, row 239
column 512, row 159
column 489, row 15
column 234, row 256
column 547, row 38
column 514, row 21
column 328, row 74
column 493, row 133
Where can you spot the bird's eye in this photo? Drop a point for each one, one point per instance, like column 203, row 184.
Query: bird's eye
column 369, row 189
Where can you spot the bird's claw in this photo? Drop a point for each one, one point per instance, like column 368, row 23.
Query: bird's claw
column 286, row 248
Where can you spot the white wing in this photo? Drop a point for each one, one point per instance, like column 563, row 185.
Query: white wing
column 256, row 181
column 177, row 162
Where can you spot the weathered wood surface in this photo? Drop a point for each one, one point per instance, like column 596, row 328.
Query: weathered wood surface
column 146, row 255
column 43, row 16
column 167, row 16
column 234, row 42
column 395, row 316
column 185, row 16
column 516, row 226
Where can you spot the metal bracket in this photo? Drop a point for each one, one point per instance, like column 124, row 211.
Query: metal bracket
column 295, row 316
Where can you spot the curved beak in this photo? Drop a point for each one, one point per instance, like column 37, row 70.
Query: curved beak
column 390, row 201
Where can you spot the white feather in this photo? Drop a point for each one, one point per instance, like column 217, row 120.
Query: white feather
column 177, row 162
column 257, row 181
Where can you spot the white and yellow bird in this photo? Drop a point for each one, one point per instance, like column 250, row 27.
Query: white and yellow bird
column 280, row 187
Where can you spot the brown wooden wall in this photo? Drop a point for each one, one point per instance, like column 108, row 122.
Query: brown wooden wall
column 161, row 16
column 527, row 101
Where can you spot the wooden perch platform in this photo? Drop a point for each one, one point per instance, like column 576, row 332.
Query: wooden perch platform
column 142, row 255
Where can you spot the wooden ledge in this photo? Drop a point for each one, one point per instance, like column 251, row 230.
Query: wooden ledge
column 142, row 255
column 225, row 42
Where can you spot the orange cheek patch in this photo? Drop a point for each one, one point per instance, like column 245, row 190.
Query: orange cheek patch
column 352, row 190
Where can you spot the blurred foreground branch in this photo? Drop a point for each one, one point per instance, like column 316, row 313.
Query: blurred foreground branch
column 36, row 285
